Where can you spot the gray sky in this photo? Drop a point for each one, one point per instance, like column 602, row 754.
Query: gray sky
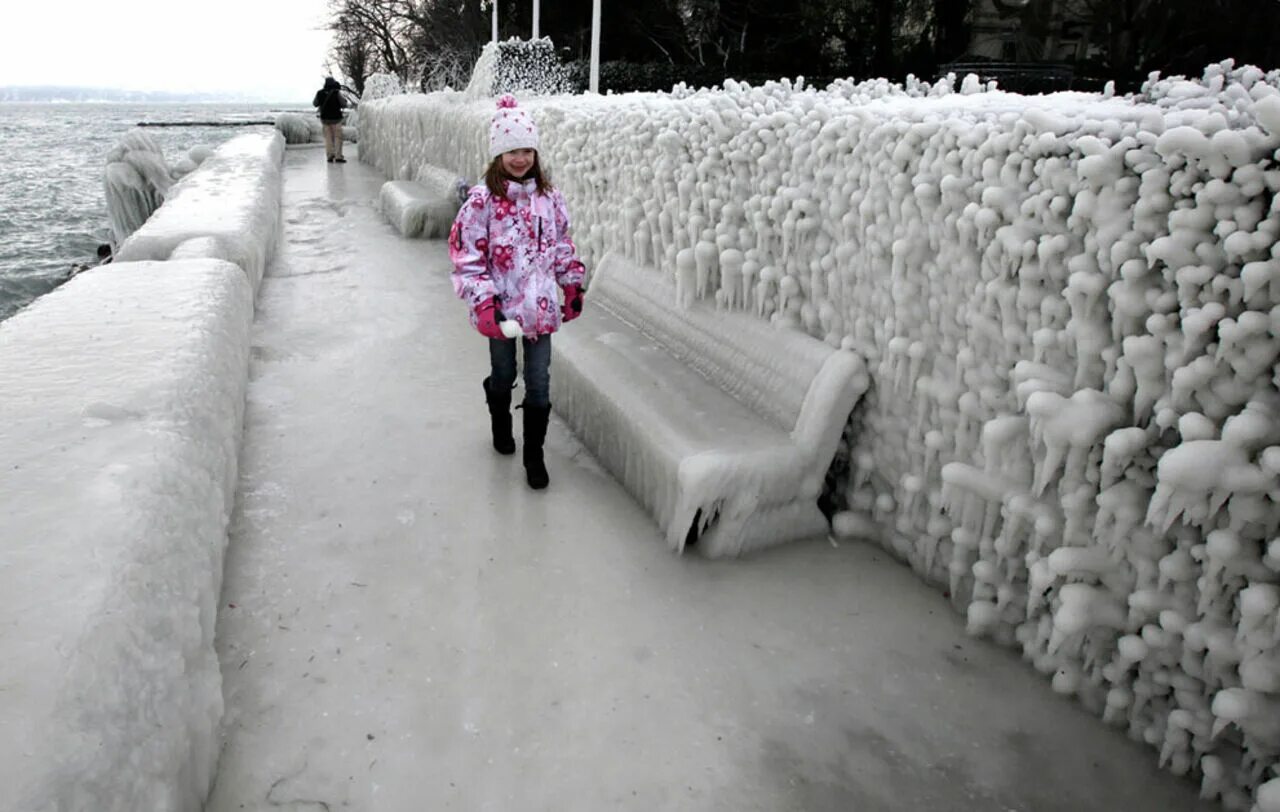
column 273, row 49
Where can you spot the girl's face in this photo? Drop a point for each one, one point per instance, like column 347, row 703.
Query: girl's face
column 518, row 162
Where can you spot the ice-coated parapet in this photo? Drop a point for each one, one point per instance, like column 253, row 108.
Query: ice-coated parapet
column 1062, row 300
column 233, row 198
column 123, row 395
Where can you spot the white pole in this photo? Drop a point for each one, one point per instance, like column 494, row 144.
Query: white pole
column 536, row 8
column 595, row 46
column 495, row 20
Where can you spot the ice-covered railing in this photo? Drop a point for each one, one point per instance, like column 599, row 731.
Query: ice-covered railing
column 1072, row 308
column 123, row 396
column 227, row 209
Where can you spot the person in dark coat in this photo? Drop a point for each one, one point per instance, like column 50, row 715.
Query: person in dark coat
column 329, row 100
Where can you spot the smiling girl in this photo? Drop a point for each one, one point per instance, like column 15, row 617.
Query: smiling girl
column 512, row 256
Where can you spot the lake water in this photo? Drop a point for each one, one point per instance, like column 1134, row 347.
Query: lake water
column 52, row 208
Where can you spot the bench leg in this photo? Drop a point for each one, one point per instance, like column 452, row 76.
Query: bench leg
column 535, row 434
column 500, row 419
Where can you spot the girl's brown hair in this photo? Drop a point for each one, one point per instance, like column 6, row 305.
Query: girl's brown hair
column 495, row 177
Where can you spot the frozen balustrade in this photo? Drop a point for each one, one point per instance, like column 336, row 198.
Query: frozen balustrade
column 723, row 426
column 228, row 209
column 123, row 395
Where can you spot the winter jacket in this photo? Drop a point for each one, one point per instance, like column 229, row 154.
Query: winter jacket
column 517, row 249
column 329, row 100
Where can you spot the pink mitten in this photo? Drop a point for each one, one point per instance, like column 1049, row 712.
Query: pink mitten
column 572, row 303
column 487, row 319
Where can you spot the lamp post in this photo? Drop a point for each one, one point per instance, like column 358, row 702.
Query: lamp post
column 595, row 46
column 494, row 3
column 537, row 6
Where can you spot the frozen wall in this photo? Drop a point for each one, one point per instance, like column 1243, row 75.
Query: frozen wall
column 123, row 397
column 1071, row 304
column 229, row 209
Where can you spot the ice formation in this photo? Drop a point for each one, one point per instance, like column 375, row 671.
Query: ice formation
column 298, row 128
column 123, row 394
column 380, row 86
column 1070, row 305
column 136, row 180
column 424, row 207
column 524, row 67
column 637, row 379
column 229, row 207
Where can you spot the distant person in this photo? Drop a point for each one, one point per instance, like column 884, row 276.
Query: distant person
column 104, row 253
column 511, row 257
column 329, row 100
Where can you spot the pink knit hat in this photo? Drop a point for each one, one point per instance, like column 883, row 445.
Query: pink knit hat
column 512, row 128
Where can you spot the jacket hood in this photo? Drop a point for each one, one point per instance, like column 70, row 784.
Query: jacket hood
column 330, row 83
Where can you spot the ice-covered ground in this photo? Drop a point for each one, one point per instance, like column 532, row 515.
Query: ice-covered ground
column 405, row 625
column 1071, row 304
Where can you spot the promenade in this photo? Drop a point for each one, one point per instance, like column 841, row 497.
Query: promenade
column 404, row 625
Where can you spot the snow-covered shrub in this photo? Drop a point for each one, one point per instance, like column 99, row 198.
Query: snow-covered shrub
column 1071, row 307
column 298, row 128
column 522, row 67
column 135, row 182
column 446, row 68
column 380, row 86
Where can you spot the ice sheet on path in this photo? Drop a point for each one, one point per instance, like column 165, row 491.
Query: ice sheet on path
column 414, row 627
column 1056, row 293
column 122, row 394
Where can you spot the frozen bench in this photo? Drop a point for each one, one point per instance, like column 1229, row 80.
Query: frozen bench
column 424, row 207
column 720, row 424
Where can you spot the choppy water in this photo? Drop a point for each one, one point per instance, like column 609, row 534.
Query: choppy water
column 52, row 210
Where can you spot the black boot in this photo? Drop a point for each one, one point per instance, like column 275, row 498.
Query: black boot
column 500, row 419
column 535, row 433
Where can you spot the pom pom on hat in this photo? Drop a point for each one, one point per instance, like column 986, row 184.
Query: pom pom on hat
column 511, row 128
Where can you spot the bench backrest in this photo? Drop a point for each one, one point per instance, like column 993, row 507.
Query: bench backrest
column 769, row 370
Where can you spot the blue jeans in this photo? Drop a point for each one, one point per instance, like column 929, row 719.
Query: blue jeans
column 537, row 367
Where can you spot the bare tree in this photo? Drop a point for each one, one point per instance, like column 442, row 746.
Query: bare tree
column 446, row 40
column 376, row 34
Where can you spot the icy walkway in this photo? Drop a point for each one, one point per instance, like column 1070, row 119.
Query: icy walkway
column 406, row 626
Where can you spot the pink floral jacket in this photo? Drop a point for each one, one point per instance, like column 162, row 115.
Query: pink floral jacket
column 518, row 250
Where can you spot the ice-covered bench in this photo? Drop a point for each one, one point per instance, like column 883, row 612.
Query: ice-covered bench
column 228, row 209
column 720, row 424
column 424, row 207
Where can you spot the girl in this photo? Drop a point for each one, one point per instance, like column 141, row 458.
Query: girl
column 510, row 249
